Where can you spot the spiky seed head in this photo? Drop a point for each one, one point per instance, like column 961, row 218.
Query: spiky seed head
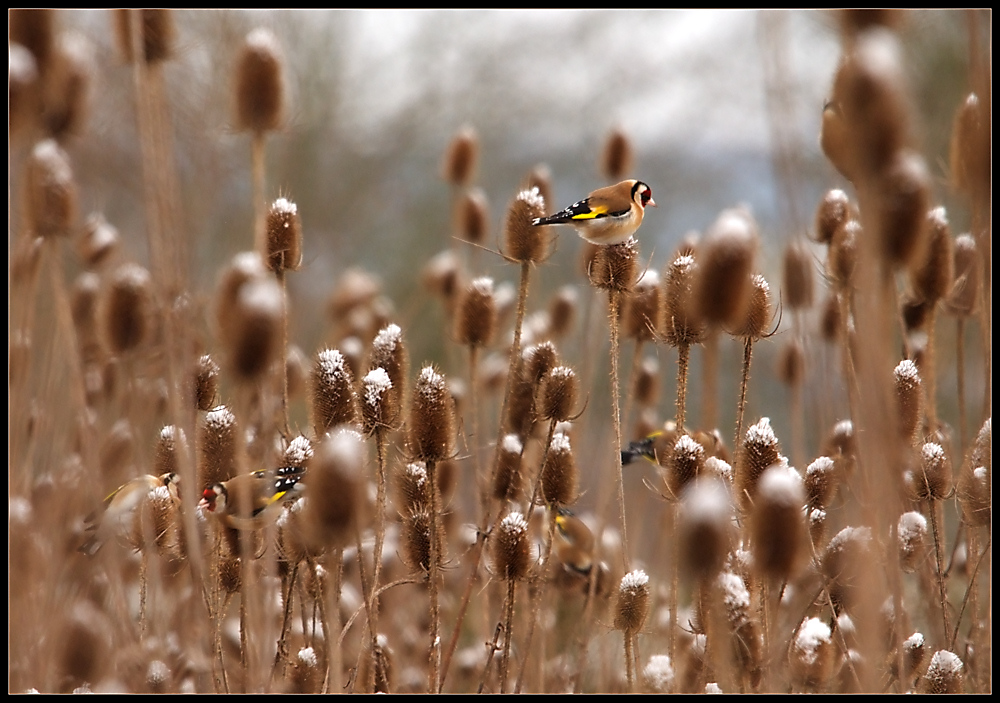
column 811, row 654
column 912, row 537
column 472, row 216
column 230, row 574
column 432, row 418
column 417, row 536
column 970, row 151
column 156, row 33
column 83, row 649
column 705, row 527
column 844, row 562
column 976, row 479
column 909, row 397
column 760, row 451
column 524, row 242
column 632, row 605
column 254, row 336
column 559, row 472
column 67, row 86
column 791, row 364
column 333, row 400
column 830, row 319
column 220, row 447
column 538, row 360
column 378, row 407
column 842, row 256
column 413, row 487
column 50, row 194
column 944, row 675
column 797, row 276
column 841, row 445
column 520, row 416
column 617, row 157
column 389, row 352
column 242, row 268
column 643, row 308
column 128, row 308
column 512, row 548
column 747, row 637
column 726, row 256
column 98, row 242
column 757, row 313
column 260, row 83
column 658, row 675
column 284, row 236
column 615, row 265
column 902, row 204
column 682, row 323
column 508, row 478
column 540, row 177
column 461, row 157
column 336, row 483
column 206, row 382
column 557, row 394
column 932, row 278
column 169, row 452
column 686, row 462
column 963, row 299
column 833, row 212
column 777, row 522
column 476, row 318
column 820, row 482
column 931, row 478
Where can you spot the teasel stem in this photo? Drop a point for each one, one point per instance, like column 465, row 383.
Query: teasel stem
column 627, row 636
column 508, row 619
column 935, row 513
column 434, row 672
column 960, row 373
column 368, row 593
column 683, row 358
column 540, row 591
column 927, row 371
column 257, row 166
column 741, row 406
column 281, row 654
column 476, row 454
column 283, row 356
column 334, row 659
column 613, row 296
column 710, row 381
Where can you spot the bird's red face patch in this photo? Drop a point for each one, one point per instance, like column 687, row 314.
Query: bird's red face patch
column 208, row 499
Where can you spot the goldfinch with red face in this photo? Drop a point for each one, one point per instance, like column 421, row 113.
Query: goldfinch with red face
column 252, row 501
column 608, row 215
column 117, row 513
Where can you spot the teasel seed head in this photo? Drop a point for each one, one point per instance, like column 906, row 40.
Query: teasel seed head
column 975, row 484
column 540, row 177
column 461, row 158
column 413, row 487
column 557, row 394
column 523, row 242
column 336, row 485
column 902, row 205
column 617, row 157
column 220, row 447
column 206, row 383
column 841, row 446
column 643, row 308
column 686, row 462
column 777, row 522
column 820, row 482
column 509, row 478
column 128, row 309
column 253, row 338
column 632, row 605
column 333, row 400
column 284, row 236
column 171, row 446
column 811, row 654
column 931, row 478
column 472, row 216
column 98, row 241
column 476, row 318
column 970, row 148
column 230, row 574
column 260, row 85
column 67, row 86
column 909, row 397
column 833, row 212
column 512, row 548
column 705, row 527
column 944, row 675
column 84, row 308
column 24, row 87
column 432, row 418
column 842, row 256
column 559, row 472
column 646, row 389
column 757, row 313
column 911, row 534
column 725, row 261
column 760, row 451
column 520, row 418
column 682, row 323
column 156, row 32
column 242, row 268
column 791, row 367
column 747, row 642
column 388, row 352
column 50, row 193
column 84, row 644
column 614, row 266
column 844, row 561
column 797, row 270
column 933, row 277
column 963, row 299
column 830, row 319
column 417, row 536
column 562, row 311
column 379, row 406
column 304, row 672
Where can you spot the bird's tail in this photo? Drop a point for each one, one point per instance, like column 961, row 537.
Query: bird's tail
column 556, row 219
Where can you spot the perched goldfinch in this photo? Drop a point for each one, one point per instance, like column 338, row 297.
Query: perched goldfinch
column 608, row 215
column 117, row 512
column 574, row 542
column 252, row 501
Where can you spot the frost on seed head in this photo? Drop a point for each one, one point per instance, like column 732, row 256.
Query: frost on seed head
column 514, row 524
column 932, row 452
column 906, row 370
column 307, row 656
column 533, row 197
column 482, row 285
column 431, row 383
column 331, row 364
column 682, row 264
column 299, row 451
column 560, row 443
column 813, row 634
column 781, row 484
column 387, row 338
column 761, row 434
column 375, row 384
column 262, row 39
column 417, row 473
column 511, row 444
column 687, row 447
column 635, row 581
column 735, row 595
column 219, row 418
column 283, row 205
column 659, row 673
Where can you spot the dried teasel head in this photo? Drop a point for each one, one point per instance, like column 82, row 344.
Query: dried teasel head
column 931, row 477
column 643, row 307
column 760, row 451
column 379, row 406
column 559, row 472
column 844, row 562
column 557, row 394
column 66, row 95
column 686, row 462
column 388, row 352
column 98, row 241
column 50, row 192
column 797, row 276
column 904, row 192
column 260, row 83
column 169, row 451
column 681, row 324
column 128, row 309
column 476, row 314
column 523, row 242
column 963, row 298
column 432, row 418
column 614, row 266
column 932, row 278
column 944, row 675
column 472, row 216
column 461, row 157
column 632, row 604
column 833, row 212
column 206, row 382
column 508, row 478
column 970, row 148
column 747, row 639
column 757, row 313
column 283, row 228
column 811, row 654
column 413, row 487
column 726, row 254
column 791, row 363
column 220, row 447
column 842, row 256
column 777, row 523
column 253, row 337
column 976, row 479
column 911, row 534
column 820, row 482
column 336, row 481
column 24, row 88
column 705, row 527
column 333, row 399
column 617, row 157
column 909, row 397
column 512, row 548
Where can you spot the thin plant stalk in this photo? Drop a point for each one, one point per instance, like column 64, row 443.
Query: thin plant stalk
column 613, row 297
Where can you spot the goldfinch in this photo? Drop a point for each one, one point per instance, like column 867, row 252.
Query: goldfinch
column 608, row 215
column 574, row 542
column 253, row 500
column 117, row 512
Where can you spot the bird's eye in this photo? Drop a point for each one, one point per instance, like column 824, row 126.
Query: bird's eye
column 647, row 195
